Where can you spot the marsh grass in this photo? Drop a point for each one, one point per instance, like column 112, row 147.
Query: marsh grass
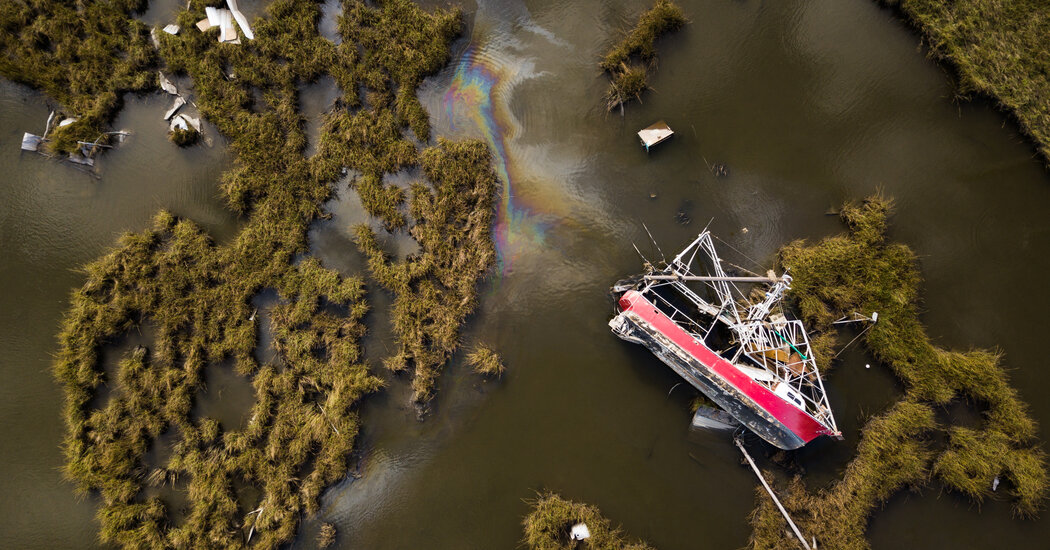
column 326, row 537
column 485, row 361
column 547, row 526
column 183, row 138
column 266, row 475
column 629, row 79
column 861, row 272
column 86, row 55
column 436, row 288
column 999, row 49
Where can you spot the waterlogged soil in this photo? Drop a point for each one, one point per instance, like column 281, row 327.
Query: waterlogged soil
column 807, row 104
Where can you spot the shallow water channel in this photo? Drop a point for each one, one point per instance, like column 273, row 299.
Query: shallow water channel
column 807, row 104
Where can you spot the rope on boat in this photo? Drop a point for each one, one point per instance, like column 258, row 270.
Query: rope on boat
column 798, row 351
column 773, row 496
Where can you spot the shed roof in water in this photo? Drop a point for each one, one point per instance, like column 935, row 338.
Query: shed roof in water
column 655, row 134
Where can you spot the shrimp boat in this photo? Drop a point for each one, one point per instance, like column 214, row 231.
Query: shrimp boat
column 738, row 349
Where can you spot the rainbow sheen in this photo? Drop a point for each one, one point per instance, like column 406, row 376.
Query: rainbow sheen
column 474, row 95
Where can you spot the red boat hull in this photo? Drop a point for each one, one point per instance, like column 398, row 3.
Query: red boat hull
column 756, row 406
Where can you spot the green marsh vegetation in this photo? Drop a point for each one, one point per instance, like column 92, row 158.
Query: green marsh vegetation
column 861, row 272
column 183, row 138
column 548, row 524
column 258, row 479
column 85, row 55
column 999, row 49
column 622, row 61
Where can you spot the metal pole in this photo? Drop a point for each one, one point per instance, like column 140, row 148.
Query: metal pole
column 712, row 278
column 775, row 499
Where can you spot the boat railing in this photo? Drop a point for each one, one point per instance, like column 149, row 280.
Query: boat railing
column 783, row 349
column 679, row 317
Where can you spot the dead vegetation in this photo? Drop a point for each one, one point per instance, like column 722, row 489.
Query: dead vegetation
column 485, row 361
column 302, row 427
column 861, row 272
column 622, row 62
column 547, row 527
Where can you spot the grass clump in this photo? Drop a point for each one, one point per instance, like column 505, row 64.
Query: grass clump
column 198, row 295
column 485, row 361
column 183, row 137
column 326, row 537
column 85, row 55
column 548, row 524
column 999, row 49
column 861, row 272
column 628, row 79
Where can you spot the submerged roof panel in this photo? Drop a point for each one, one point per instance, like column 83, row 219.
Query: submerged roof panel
column 655, row 134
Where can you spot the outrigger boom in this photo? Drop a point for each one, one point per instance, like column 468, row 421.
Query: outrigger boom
column 709, row 278
column 764, row 373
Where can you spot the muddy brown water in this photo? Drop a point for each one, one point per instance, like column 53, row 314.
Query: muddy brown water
column 806, row 103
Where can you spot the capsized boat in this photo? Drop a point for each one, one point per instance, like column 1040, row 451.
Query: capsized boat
column 737, row 348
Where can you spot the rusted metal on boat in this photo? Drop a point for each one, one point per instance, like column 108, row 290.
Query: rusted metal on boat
column 764, row 376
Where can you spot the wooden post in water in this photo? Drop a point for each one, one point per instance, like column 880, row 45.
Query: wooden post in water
column 773, row 496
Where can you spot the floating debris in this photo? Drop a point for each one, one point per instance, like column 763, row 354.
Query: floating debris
column 86, row 150
column 224, row 19
column 185, row 122
column 80, row 158
column 720, row 170
column 655, row 134
column 179, row 102
column 172, row 29
column 713, row 419
column 580, row 532
column 31, row 142
column 166, row 84
column 184, row 130
column 772, row 495
column 242, row 21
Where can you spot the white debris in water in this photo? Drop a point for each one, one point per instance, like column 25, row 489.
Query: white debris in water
column 995, row 483
column 580, row 532
column 166, row 84
column 655, row 134
column 224, row 19
column 242, row 21
column 185, row 122
column 179, row 102
column 31, row 142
